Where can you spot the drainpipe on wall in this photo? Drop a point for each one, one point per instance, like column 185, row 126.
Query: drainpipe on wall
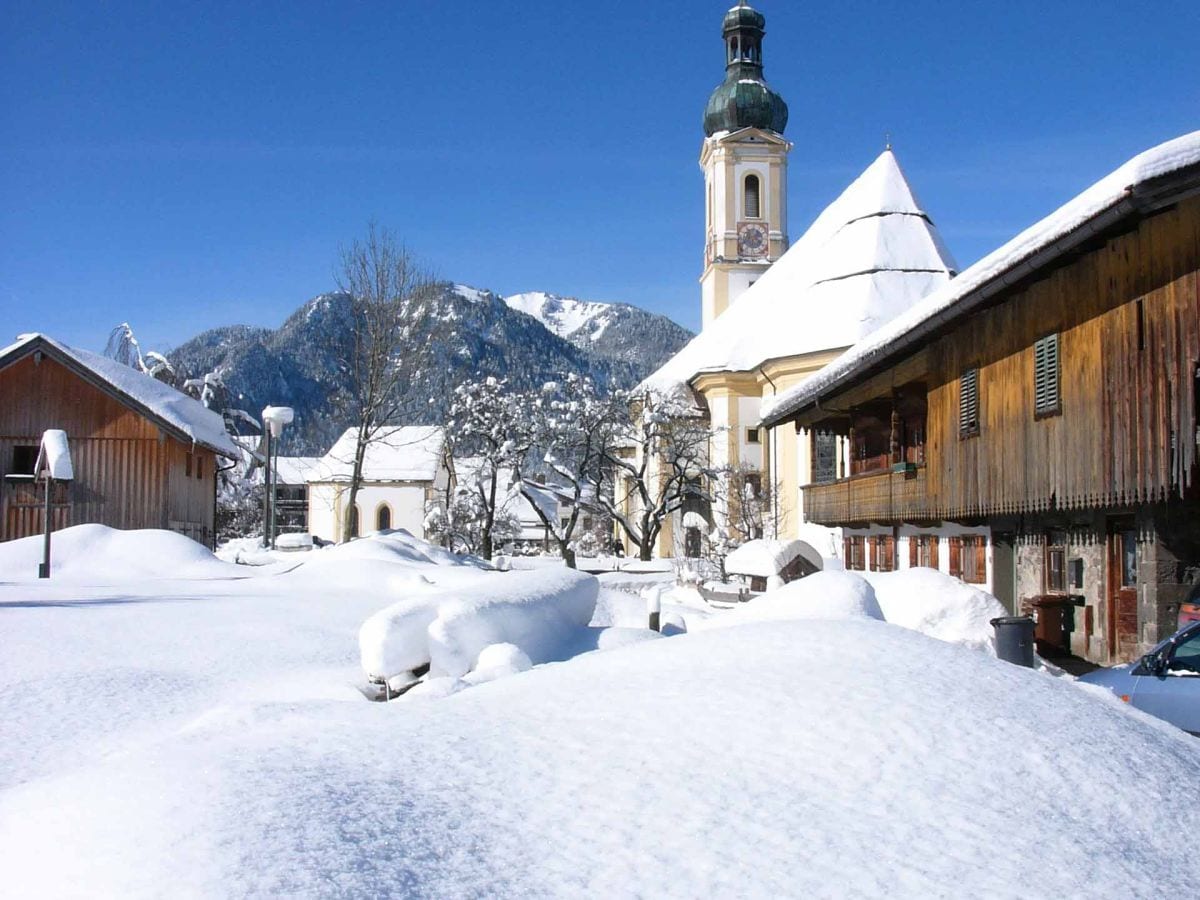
column 774, row 464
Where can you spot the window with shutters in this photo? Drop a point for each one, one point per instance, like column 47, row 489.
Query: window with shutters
column 883, row 553
column 752, row 205
column 1045, row 376
column 968, row 558
column 968, row 403
column 923, row 551
column 854, row 552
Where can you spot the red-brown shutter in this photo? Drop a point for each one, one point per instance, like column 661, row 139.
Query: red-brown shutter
column 980, row 559
column 914, row 555
column 890, row 543
column 934, row 541
column 956, row 557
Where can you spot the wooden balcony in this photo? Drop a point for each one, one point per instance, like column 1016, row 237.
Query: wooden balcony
column 883, row 496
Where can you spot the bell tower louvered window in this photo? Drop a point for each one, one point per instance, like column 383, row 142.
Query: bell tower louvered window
column 1045, row 375
column 968, row 403
column 752, row 204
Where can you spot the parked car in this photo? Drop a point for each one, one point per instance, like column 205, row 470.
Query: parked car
column 1165, row 682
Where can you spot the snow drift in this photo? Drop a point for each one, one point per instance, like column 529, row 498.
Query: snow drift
column 938, row 605
column 99, row 554
column 822, row 595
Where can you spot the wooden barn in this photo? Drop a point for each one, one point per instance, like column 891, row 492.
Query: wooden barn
column 1046, row 397
column 144, row 454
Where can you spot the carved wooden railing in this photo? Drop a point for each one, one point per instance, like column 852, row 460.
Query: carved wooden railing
column 878, row 497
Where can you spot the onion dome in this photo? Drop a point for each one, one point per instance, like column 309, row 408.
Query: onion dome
column 744, row 99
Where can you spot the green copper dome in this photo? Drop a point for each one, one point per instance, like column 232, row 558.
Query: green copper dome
column 744, row 99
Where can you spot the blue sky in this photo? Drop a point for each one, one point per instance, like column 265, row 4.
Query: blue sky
column 188, row 165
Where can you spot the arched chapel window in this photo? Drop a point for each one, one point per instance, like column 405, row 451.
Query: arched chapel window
column 383, row 518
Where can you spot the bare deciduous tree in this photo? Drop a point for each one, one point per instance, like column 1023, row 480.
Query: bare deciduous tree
column 659, row 459
column 382, row 280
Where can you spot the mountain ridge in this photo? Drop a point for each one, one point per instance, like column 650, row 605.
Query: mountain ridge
column 459, row 333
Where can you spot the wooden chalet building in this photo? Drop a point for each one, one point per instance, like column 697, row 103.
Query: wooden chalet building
column 1042, row 408
column 144, row 454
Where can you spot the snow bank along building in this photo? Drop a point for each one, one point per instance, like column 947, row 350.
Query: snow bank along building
column 405, row 468
column 772, row 313
column 144, row 454
column 1048, row 395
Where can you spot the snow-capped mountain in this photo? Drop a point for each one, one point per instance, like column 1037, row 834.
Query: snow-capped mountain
column 459, row 334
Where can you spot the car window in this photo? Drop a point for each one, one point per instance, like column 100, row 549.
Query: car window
column 1187, row 654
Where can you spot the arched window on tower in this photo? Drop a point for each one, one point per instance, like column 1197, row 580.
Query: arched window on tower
column 383, row 518
column 751, row 205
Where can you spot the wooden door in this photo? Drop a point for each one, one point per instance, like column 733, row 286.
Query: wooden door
column 1122, row 593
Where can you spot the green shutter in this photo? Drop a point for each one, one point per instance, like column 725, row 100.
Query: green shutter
column 968, row 402
column 1045, row 374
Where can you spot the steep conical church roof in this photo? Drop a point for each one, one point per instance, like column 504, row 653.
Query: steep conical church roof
column 869, row 256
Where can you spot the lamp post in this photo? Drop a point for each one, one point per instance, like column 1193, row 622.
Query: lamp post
column 54, row 465
column 274, row 419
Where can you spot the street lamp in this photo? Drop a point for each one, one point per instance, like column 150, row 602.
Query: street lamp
column 274, row 419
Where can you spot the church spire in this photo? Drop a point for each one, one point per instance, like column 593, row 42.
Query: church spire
column 744, row 99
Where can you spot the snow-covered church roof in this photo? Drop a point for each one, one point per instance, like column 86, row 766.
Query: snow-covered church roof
column 397, row 453
column 1132, row 189
column 186, row 417
column 869, row 256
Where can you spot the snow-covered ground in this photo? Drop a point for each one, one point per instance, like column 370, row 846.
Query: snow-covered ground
column 193, row 728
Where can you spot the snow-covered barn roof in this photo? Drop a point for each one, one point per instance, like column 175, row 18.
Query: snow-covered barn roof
column 763, row 558
column 177, row 413
column 869, row 256
column 1143, row 184
column 398, row 453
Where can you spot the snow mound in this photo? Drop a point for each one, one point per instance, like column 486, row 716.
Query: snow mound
column 99, row 554
column 938, row 605
column 498, row 661
column 822, row 595
column 540, row 611
column 928, row 771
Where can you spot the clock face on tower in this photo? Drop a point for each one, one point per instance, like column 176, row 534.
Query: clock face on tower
column 752, row 240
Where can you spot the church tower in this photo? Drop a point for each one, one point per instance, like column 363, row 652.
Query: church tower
column 744, row 159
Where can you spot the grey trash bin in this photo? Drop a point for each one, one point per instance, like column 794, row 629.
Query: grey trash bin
column 1014, row 639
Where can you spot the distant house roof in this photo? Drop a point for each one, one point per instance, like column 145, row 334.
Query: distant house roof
column 869, row 256
column 175, row 412
column 398, row 453
column 296, row 469
column 1146, row 182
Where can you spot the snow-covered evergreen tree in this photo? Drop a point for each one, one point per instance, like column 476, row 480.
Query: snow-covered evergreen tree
column 125, row 348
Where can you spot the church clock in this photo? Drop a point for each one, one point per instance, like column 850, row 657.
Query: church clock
column 753, row 240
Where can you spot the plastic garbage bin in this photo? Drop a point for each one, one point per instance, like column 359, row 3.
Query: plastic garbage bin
column 1014, row 639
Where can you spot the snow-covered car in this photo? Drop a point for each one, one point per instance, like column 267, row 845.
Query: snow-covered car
column 1164, row 683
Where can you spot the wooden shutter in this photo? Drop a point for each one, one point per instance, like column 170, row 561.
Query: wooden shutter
column 914, row 553
column 968, row 402
column 934, row 541
column 980, row 560
column 1045, row 374
column 956, row 557
column 846, row 546
column 889, row 544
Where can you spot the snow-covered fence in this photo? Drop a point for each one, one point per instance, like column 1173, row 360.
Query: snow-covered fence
column 537, row 611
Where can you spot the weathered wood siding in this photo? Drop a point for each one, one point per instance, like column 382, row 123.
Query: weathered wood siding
column 1127, row 389
column 128, row 474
